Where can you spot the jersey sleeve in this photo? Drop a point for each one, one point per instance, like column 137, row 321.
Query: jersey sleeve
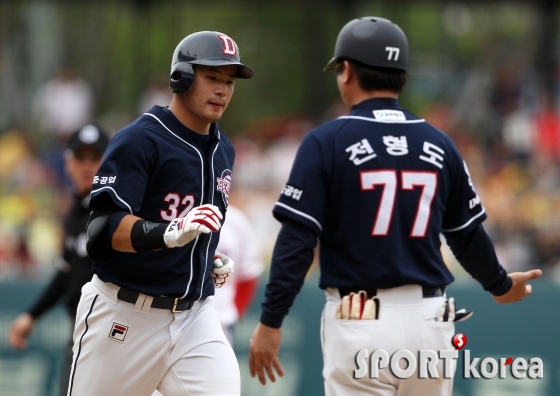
column 303, row 198
column 124, row 171
column 464, row 211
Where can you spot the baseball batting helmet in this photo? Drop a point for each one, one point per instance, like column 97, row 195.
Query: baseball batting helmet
column 372, row 41
column 203, row 48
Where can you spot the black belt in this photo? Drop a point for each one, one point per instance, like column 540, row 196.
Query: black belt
column 427, row 292
column 174, row 304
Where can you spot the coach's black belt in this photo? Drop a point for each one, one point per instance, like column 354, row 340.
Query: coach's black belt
column 427, row 292
column 173, row 304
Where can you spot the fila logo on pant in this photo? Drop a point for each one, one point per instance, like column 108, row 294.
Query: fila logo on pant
column 118, row 332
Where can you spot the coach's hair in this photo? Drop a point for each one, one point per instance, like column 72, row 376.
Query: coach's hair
column 376, row 78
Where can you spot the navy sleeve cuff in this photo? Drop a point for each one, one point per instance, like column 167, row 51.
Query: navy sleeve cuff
column 475, row 252
column 271, row 320
column 502, row 286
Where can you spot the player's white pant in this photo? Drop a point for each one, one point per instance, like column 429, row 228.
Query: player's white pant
column 406, row 321
column 123, row 350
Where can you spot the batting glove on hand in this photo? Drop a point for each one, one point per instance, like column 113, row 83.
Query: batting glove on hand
column 357, row 306
column 202, row 219
column 447, row 312
column 223, row 268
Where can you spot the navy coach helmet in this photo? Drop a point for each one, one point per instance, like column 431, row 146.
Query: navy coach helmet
column 203, row 48
column 372, row 41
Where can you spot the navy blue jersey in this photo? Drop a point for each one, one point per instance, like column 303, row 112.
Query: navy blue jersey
column 155, row 169
column 377, row 187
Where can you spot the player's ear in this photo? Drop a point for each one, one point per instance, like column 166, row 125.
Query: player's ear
column 345, row 71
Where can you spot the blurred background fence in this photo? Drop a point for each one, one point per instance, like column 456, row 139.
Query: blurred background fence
column 485, row 72
column 524, row 330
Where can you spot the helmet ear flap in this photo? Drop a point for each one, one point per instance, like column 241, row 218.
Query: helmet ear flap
column 181, row 77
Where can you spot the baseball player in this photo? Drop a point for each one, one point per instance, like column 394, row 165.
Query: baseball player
column 146, row 321
column 85, row 148
column 377, row 187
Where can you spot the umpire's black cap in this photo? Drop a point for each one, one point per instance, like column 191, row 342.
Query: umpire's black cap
column 91, row 136
column 372, row 41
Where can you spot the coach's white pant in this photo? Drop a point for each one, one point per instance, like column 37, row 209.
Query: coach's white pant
column 406, row 321
column 179, row 354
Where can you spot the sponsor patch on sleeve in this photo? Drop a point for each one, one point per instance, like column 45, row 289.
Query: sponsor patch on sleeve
column 292, row 192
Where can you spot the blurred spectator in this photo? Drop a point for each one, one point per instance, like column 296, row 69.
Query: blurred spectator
column 26, row 197
column 237, row 241
column 63, row 104
column 249, row 164
column 264, row 155
column 505, row 95
column 82, row 159
column 281, row 155
column 156, row 93
column 518, row 134
column 547, row 127
column 504, row 99
column 515, row 250
column 272, row 142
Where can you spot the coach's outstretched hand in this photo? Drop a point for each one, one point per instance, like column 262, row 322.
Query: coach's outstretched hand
column 263, row 353
column 520, row 289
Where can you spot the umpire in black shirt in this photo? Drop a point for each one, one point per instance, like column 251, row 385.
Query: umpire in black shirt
column 82, row 158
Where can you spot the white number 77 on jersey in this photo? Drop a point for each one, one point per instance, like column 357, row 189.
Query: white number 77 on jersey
column 410, row 179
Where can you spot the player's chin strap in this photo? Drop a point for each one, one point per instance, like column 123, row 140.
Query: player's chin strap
column 448, row 313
